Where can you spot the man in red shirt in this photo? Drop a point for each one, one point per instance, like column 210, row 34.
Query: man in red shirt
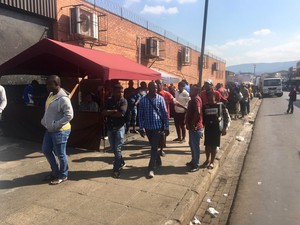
column 224, row 93
column 169, row 99
column 194, row 125
column 208, row 85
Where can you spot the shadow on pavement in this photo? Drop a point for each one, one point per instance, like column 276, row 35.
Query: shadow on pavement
column 29, row 180
column 278, row 114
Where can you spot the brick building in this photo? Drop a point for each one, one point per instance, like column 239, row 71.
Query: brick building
column 110, row 28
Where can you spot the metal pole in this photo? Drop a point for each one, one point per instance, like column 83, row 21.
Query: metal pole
column 203, row 42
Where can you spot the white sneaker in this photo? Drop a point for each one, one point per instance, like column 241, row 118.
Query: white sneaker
column 151, row 174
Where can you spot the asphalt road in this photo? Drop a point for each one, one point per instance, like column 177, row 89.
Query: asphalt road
column 269, row 187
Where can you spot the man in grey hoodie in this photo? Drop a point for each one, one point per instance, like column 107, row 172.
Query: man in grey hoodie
column 56, row 120
column 3, row 100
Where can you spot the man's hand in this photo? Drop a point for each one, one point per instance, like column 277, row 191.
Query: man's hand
column 167, row 132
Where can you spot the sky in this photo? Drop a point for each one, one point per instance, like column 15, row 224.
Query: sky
column 238, row 31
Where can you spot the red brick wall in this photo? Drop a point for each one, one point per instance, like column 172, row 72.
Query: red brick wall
column 123, row 37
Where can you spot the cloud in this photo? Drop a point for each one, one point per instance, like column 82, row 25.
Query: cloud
column 240, row 51
column 163, row 1
column 262, row 32
column 159, row 9
column 186, row 1
column 282, row 52
column 235, row 43
column 131, row 2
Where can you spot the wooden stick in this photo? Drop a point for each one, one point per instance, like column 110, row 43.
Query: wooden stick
column 76, row 86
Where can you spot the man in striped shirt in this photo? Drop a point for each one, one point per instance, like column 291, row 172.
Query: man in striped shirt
column 153, row 120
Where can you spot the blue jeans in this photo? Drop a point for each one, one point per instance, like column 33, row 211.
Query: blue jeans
column 116, row 140
column 154, row 137
column 54, row 145
column 131, row 117
column 194, row 143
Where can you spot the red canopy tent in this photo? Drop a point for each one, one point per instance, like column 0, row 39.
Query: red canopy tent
column 53, row 57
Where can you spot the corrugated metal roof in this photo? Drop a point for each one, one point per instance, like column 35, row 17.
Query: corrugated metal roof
column 46, row 8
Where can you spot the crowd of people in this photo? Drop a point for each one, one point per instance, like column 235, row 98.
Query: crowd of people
column 198, row 110
column 202, row 111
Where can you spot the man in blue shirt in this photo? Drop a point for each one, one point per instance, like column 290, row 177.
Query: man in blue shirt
column 153, row 120
column 132, row 96
column 29, row 93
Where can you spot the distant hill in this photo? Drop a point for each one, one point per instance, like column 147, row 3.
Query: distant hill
column 262, row 67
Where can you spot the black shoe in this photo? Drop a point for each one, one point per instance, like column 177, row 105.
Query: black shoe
column 58, row 181
column 204, row 165
column 50, row 177
column 182, row 141
column 116, row 174
column 123, row 164
column 189, row 164
column 162, row 153
column 177, row 139
column 194, row 169
column 151, row 174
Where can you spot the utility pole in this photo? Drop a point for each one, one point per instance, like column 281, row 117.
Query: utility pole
column 203, row 42
column 254, row 67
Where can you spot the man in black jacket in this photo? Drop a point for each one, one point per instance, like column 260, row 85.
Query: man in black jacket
column 293, row 97
column 114, row 111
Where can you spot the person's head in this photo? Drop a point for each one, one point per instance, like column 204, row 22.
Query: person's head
column 34, row 83
column 159, row 85
column 53, row 84
column 152, row 87
column 195, row 90
column 208, row 85
column 210, row 94
column 143, row 85
column 219, row 85
column 185, row 82
column 130, row 83
column 181, row 86
column 117, row 91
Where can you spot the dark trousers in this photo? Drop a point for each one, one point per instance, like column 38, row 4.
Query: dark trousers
column 248, row 106
column 154, row 137
column 291, row 106
column 130, row 118
column 243, row 107
column 180, row 125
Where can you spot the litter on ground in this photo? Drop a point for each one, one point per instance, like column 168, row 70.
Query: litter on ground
column 240, row 138
column 213, row 212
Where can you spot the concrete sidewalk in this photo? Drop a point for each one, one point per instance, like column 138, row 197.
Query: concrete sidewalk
column 92, row 196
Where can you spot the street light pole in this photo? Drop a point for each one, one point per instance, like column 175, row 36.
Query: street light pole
column 254, row 67
column 203, row 42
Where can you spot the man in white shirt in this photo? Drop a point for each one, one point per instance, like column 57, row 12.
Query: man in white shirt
column 182, row 97
column 3, row 100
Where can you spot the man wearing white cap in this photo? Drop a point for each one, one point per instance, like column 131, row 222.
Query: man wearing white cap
column 208, row 85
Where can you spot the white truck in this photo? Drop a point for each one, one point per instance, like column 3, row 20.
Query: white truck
column 270, row 86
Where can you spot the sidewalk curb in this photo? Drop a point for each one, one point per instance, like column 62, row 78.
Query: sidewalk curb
column 190, row 203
